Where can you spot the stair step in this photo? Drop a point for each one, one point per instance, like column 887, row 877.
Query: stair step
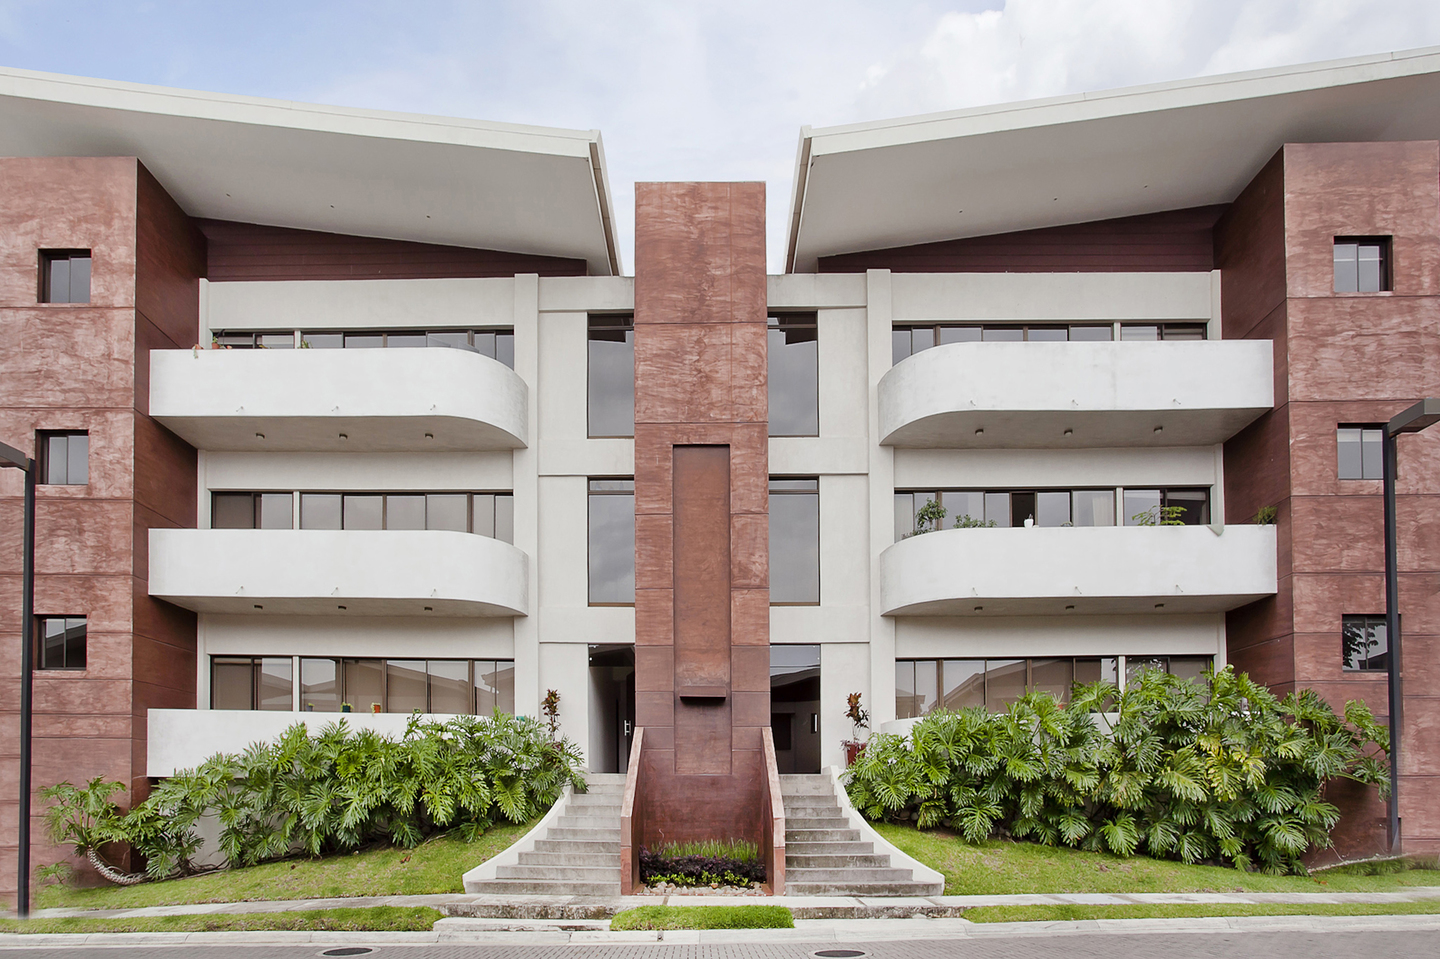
column 587, row 835
column 802, row 848
column 848, row 875
column 568, row 873
column 830, row 861
column 536, row 887
column 588, row 822
column 876, row 889
column 818, row 835
column 579, row 846
column 803, row 806
column 572, row 858
column 806, row 822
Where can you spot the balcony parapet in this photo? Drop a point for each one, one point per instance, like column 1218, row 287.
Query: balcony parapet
column 338, row 572
column 1108, row 394
column 353, row 400
column 1079, row 570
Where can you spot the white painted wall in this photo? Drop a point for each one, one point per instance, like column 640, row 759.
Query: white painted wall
column 962, row 637
column 1052, row 296
column 1029, row 469
column 1096, row 569
column 476, row 472
column 360, row 304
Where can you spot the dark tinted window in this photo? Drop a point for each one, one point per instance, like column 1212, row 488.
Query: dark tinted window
column 611, row 541
column 794, row 375
column 64, row 458
column 794, row 541
column 610, row 376
column 1365, row 642
column 61, row 642
column 65, row 276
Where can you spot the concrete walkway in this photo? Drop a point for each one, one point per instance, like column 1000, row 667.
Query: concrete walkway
column 883, row 939
column 573, row 909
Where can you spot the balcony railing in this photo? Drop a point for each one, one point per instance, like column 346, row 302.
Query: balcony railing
column 1059, row 395
column 351, row 400
column 338, row 572
column 1021, row 571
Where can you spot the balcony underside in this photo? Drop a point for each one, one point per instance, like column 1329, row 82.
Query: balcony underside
column 370, row 434
column 1090, row 429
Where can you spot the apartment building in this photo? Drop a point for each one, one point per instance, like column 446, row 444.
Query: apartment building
column 348, row 412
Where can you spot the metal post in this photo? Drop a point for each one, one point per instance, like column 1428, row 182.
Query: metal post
column 1392, row 641
column 13, row 458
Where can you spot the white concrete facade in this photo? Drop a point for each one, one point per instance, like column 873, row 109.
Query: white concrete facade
column 1146, row 591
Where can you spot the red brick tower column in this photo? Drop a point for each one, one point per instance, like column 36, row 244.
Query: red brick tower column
column 702, row 597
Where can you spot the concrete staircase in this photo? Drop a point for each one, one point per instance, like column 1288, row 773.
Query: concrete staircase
column 826, row 854
column 577, row 855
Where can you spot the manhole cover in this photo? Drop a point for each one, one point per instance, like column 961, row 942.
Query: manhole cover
column 348, row 951
column 838, row 954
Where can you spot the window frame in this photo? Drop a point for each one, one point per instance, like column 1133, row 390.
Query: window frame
column 1362, row 429
column 599, row 322
column 1384, row 246
column 591, row 491
column 45, row 294
column 772, row 491
column 68, row 619
column 779, row 321
column 43, row 456
column 1368, row 622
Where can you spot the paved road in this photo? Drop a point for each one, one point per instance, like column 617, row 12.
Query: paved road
column 1389, row 943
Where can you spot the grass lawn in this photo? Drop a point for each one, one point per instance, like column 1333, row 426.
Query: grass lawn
column 1000, row 867
column 1164, row 911
column 433, row 867
column 703, row 917
column 379, row 918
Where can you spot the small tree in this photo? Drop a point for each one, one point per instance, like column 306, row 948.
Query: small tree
column 1160, row 516
column 550, row 705
column 858, row 715
column 929, row 517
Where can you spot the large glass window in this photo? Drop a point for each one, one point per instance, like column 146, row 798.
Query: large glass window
column 251, row 682
column 793, row 352
column 1365, row 642
column 610, row 376
column 1001, row 508
column 61, row 642
column 1163, row 331
column 254, row 341
column 64, row 458
column 794, row 541
column 1362, row 264
column 498, row 344
column 922, row 685
column 611, row 541
column 910, row 339
column 64, row 276
column 443, row 686
column 1360, row 451
column 489, row 514
column 252, row 511
column 1167, row 507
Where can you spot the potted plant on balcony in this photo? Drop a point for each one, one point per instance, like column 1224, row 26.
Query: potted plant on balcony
column 859, row 718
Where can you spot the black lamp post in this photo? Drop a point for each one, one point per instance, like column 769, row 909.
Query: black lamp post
column 1423, row 414
column 11, row 457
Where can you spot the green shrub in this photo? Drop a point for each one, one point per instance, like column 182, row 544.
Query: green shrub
column 703, row 917
column 1216, row 771
column 334, row 791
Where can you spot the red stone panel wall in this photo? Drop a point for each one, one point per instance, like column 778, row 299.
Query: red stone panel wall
column 1346, row 358
column 74, row 367
column 701, row 503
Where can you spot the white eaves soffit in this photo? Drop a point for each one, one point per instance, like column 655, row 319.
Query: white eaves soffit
column 1093, row 156
column 494, row 186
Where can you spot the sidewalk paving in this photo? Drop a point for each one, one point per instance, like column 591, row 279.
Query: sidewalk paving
column 804, row 908
column 819, row 932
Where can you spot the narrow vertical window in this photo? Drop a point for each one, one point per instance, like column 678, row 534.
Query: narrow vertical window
column 64, row 458
column 610, row 377
column 64, row 276
column 1360, row 451
column 611, row 541
column 793, row 353
column 794, row 541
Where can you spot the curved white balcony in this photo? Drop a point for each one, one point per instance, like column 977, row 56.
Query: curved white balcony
column 1109, row 569
column 312, row 571
column 354, row 400
column 1027, row 395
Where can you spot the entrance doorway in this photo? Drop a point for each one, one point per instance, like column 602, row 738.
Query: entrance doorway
column 795, row 707
column 612, row 707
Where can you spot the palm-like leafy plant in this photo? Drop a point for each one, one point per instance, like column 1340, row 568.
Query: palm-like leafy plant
column 1220, row 771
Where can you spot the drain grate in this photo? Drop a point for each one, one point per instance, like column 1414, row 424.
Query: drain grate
column 348, row 951
column 839, row 954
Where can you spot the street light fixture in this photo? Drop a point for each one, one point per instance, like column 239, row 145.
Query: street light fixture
column 13, row 458
column 1418, row 417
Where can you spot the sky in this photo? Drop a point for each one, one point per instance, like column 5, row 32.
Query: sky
column 691, row 90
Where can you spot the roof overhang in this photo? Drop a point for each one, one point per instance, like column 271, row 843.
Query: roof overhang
column 1075, row 159
column 399, row 176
